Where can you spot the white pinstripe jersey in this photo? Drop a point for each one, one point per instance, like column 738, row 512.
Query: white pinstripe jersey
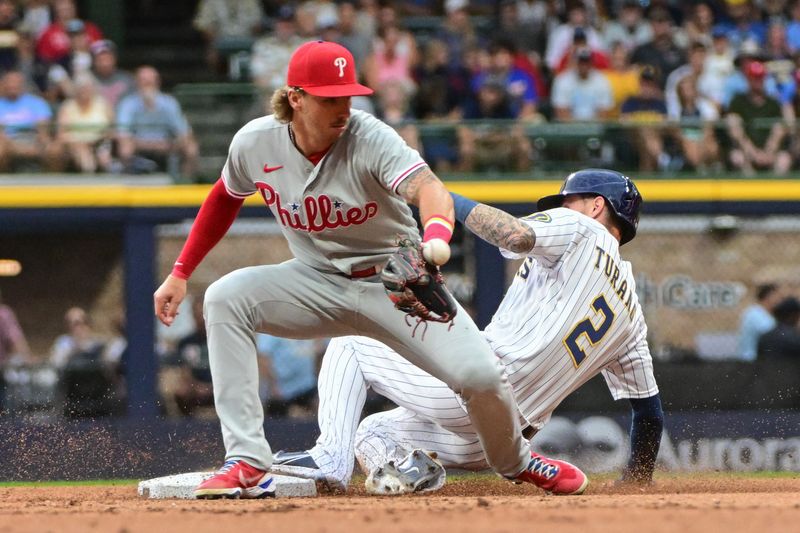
column 343, row 213
column 571, row 311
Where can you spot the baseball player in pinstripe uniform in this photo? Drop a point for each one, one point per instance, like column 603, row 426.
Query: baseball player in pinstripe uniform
column 339, row 182
column 570, row 313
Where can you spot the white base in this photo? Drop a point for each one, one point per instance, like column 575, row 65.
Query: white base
column 181, row 486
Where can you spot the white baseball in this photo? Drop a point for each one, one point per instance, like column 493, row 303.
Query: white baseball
column 436, row 251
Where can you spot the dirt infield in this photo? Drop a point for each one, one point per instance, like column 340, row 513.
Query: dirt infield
column 714, row 503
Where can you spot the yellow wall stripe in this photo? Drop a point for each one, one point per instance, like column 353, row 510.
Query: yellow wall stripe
column 704, row 190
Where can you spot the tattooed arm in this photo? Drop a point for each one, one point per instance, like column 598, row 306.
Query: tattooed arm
column 494, row 226
column 424, row 190
column 501, row 229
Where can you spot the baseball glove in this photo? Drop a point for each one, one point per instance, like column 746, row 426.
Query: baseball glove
column 417, row 287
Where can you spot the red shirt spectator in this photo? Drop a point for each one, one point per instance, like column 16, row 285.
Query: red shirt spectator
column 54, row 45
column 600, row 59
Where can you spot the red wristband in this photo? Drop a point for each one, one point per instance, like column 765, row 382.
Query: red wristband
column 437, row 227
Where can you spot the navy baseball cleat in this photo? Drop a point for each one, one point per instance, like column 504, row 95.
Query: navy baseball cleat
column 237, row 479
column 553, row 476
column 302, row 465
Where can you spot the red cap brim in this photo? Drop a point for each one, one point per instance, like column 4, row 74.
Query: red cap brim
column 336, row 91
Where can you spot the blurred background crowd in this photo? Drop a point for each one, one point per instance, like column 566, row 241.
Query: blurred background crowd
column 659, row 87
column 511, row 85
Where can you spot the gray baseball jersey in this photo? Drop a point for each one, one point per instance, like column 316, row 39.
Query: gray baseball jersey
column 340, row 216
column 570, row 312
column 347, row 189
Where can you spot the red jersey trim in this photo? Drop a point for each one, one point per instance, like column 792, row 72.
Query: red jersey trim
column 399, row 179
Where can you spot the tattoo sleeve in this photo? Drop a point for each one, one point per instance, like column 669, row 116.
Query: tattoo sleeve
column 501, row 229
column 410, row 187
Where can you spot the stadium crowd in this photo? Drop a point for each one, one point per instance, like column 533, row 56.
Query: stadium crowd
column 701, row 86
column 706, row 86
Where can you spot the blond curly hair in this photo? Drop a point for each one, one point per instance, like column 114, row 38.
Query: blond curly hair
column 280, row 105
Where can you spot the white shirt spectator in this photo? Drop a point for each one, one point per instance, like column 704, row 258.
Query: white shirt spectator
column 705, row 90
column 585, row 98
column 228, row 18
column 616, row 32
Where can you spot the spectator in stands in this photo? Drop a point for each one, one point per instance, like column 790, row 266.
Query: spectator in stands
column 777, row 47
column 368, row 12
column 696, row 129
column 737, row 82
column 77, row 62
column 755, row 128
column 271, row 53
column 84, row 126
column 112, row 82
column 694, row 68
column 630, row 28
column 757, row 319
column 742, row 22
column 441, row 93
column 457, row 31
column 351, row 35
column 54, row 44
column 793, row 26
column 191, row 386
column 441, row 90
column 496, row 147
column 661, row 52
column 700, row 25
column 529, row 39
column 13, row 344
column 393, row 58
column 25, row 120
column 394, row 108
column 774, row 10
column 89, row 382
column 535, row 17
column 582, row 93
column 9, row 36
column 560, row 39
column 34, row 72
column 305, row 23
column 79, row 339
column 289, row 370
column 783, row 340
column 719, row 67
column 645, row 113
column 151, row 125
column 600, row 60
column 227, row 26
column 324, row 12
column 35, row 17
column 519, row 85
column 622, row 76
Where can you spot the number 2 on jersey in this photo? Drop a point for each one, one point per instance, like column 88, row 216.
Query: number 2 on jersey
column 587, row 327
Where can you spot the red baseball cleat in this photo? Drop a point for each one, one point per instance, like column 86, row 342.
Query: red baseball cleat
column 237, row 479
column 554, row 476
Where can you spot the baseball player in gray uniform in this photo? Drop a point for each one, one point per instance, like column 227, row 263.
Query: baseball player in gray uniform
column 339, row 182
column 570, row 313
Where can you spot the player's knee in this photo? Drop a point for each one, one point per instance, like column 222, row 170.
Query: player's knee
column 477, row 377
column 371, row 443
column 220, row 299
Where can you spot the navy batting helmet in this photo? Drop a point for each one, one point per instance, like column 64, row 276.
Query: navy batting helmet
column 616, row 188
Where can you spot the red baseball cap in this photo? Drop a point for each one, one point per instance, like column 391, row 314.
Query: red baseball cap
column 325, row 69
column 755, row 69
